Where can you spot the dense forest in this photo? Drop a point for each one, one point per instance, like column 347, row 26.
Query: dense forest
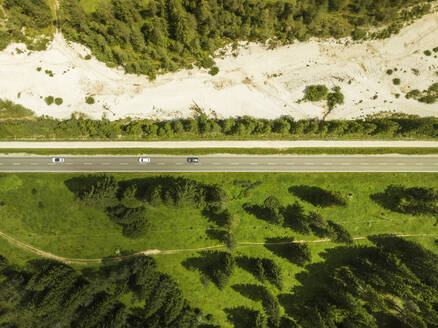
column 392, row 283
column 164, row 35
column 51, row 294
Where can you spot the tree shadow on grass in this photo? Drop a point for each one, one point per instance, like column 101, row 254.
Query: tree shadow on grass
column 255, row 293
column 295, row 218
column 248, row 264
column 215, row 217
column 220, row 235
column 258, row 211
column 79, row 185
column 287, row 301
column 210, row 264
column 241, row 317
column 390, row 198
column 313, row 280
column 317, row 196
column 296, row 253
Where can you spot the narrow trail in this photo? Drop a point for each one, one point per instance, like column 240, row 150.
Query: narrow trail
column 67, row 260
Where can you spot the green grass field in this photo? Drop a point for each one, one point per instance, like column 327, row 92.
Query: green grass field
column 41, row 210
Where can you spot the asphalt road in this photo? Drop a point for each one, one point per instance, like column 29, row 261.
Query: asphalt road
column 223, row 164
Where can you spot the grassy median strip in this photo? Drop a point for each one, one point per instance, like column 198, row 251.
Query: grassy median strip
column 213, row 151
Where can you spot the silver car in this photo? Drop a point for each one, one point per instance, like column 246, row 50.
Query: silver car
column 144, row 160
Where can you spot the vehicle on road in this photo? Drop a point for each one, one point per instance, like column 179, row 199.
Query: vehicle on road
column 192, row 160
column 58, row 159
column 144, row 160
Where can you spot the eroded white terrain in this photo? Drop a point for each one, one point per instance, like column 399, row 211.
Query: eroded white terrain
column 257, row 82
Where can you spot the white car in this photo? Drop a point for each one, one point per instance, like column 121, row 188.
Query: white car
column 144, row 160
column 58, row 159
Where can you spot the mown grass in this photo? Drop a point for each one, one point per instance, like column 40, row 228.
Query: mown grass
column 43, row 212
column 235, row 151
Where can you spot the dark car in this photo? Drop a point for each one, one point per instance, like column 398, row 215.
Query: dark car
column 58, row 159
column 192, row 160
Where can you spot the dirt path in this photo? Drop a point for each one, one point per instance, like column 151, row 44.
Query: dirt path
column 67, row 260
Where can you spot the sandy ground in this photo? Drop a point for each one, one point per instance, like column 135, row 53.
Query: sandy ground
column 278, row 144
column 257, row 82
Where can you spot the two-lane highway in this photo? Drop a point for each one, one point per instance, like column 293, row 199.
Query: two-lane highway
column 222, row 163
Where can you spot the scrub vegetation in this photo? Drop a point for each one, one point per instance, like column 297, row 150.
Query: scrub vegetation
column 27, row 21
column 269, row 278
column 202, row 127
column 428, row 96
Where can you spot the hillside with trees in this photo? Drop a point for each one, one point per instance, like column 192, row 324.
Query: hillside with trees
column 27, row 21
column 148, row 37
column 51, row 294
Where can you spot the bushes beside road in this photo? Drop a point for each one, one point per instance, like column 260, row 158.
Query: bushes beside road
column 398, row 126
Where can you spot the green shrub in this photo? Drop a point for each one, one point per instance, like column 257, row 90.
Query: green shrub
column 413, row 94
column 206, row 62
column 389, row 71
column 427, row 52
column 316, row 93
column 88, row 57
column 39, row 69
column 396, row 81
column 335, row 98
column 90, row 100
column 49, row 100
column 213, row 71
column 59, row 101
column 435, row 49
column 428, row 99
